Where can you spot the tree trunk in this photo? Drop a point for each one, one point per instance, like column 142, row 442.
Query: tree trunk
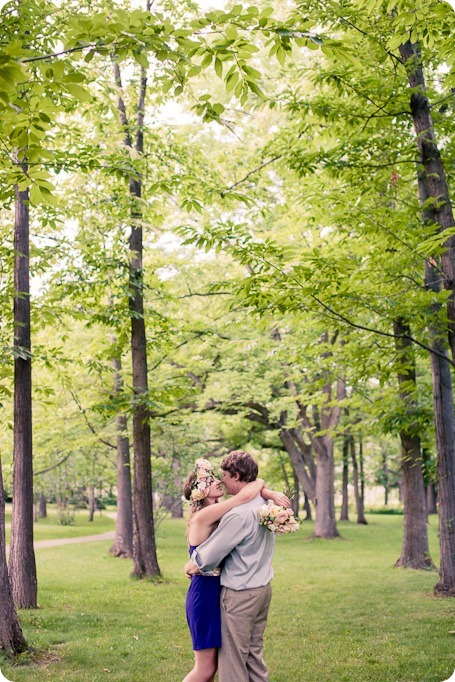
column 91, row 502
column 144, row 545
column 296, row 496
column 307, row 508
column 431, row 499
column 385, row 478
column 361, row 471
column 415, row 552
column 355, row 479
column 445, row 439
column 437, row 187
column 123, row 544
column 325, row 524
column 344, row 514
column 42, row 512
column 11, row 637
column 298, row 463
column 22, row 566
column 444, row 416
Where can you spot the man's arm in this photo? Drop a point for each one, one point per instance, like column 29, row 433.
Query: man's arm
column 231, row 531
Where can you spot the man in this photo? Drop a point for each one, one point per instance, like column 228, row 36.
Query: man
column 247, row 548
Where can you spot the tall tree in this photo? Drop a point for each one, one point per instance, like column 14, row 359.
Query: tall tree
column 22, row 566
column 144, row 546
column 11, row 637
column 123, row 543
column 415, row 551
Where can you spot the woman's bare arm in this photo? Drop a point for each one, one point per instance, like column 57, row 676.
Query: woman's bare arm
column 279, row 498
column 209, row 515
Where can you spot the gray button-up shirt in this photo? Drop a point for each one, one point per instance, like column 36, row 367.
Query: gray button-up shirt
column 247, row 546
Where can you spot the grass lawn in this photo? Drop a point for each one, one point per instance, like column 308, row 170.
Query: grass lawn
column 340, row 613
column 50, row 528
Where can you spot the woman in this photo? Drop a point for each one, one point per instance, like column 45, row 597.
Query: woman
column 203, row 600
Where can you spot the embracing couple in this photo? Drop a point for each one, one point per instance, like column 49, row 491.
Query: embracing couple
column 227, row 608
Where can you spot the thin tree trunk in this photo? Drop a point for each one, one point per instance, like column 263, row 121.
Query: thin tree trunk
column 22, row 566
column 123, row 544
column 444, row 415
column 307, row 508
column 42, row 513
column 415, row 551
column 445, row 440
column 437, row 187
column 344, row 514
column 361, row 470
column 355, row 479
column 431, row 499
column 91, row 502
column 144, row 545
column 385, row 478
column 296, row 496
column 11, row 637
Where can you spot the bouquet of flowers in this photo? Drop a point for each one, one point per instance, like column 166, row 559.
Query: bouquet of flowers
column 278, row 519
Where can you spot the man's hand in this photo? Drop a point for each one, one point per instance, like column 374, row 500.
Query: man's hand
column 191, row 569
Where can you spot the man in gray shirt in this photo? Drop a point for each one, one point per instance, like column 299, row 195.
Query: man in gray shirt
column 247, row 549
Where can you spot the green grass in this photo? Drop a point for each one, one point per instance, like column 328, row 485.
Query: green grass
column 50, row 528
column 340, row 613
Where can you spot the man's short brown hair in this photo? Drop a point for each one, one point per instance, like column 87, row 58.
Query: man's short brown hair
column 241, row 463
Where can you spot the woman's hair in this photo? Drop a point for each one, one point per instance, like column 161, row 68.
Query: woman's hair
column 188, row 485
column 241, row 463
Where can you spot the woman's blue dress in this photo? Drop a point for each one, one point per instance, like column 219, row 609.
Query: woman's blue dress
column 203, row 610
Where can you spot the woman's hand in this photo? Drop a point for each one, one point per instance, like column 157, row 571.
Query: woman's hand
column 191, row 569
column 280, row 499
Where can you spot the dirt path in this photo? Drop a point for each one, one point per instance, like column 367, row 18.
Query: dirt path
column 40, row 544
column 109, row 535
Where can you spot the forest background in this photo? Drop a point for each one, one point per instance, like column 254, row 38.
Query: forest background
column 232, row 229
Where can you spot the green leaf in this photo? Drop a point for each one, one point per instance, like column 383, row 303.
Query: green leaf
column 78, row 91
column 281, row 55
column 207, row 60
column 231, row 81
column 218, row 68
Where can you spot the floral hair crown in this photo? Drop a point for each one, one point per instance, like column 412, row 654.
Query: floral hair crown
column 204, row 478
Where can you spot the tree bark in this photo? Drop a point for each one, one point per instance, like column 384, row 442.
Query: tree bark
column 385, row 478
column 22, row 566
column 307, row 484
column 415, row 551
column 42, row 510
column 437, row 187
column 144, row 545
column 444, row 414
column 307, row 508
column 361, row 470
column 355, row 479
column 296, row 496
column 123, row 543
column 91, row 502
column 324, row 502
column 11, row 637
column 431, row 499
column 344, row 514
column 325, row 522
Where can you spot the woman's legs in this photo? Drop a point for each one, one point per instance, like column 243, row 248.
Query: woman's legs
column 205, row 666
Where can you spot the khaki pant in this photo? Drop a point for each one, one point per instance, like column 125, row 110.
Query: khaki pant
column 243, row 620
